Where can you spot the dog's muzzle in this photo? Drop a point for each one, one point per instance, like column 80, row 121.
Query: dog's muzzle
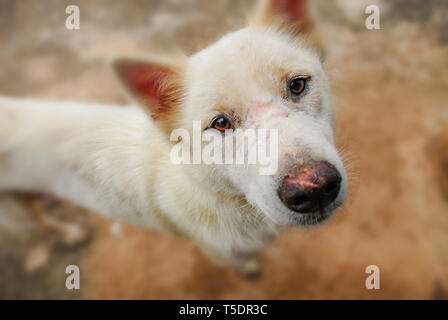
column 310, row 187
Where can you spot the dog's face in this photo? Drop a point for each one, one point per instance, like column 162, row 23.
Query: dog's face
column 259, row 77
column 255, row 78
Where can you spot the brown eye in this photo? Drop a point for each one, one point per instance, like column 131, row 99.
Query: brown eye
column 221, row 124
column 297, row 86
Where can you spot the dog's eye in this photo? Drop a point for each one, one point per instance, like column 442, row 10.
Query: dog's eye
column 297, row 85
column 221, row 124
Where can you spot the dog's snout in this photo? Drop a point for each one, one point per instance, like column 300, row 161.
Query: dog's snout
column 311, row 187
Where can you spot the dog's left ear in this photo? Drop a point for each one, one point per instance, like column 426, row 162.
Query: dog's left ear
column 293, row 16
column 156, row 86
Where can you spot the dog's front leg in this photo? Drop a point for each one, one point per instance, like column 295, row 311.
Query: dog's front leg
column 246, row 264
column 96, row 156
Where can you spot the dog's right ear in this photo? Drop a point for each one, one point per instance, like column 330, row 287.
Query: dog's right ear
column 293, row 16
column 156, row 86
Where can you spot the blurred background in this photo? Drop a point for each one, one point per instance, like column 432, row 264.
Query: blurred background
column 391, row 91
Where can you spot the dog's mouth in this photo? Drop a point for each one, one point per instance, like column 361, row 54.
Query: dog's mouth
column 313, row 219
column 316, row 218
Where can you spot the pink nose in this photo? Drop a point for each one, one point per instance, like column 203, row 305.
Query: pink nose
column 311, row 187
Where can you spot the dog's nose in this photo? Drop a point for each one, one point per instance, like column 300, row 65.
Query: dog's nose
column 311, row 187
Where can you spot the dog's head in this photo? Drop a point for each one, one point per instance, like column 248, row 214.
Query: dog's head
column 268, row 75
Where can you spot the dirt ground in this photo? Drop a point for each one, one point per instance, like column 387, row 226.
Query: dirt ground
column 391, row 90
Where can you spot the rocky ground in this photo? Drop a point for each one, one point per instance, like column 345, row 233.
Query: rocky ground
column 390, row 87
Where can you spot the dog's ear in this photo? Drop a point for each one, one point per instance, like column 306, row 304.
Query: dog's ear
column 156, row 86
column 293, row 16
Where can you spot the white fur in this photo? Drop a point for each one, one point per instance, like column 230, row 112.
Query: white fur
column 115, row 160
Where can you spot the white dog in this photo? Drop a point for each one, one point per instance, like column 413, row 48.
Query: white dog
column 116, row 160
